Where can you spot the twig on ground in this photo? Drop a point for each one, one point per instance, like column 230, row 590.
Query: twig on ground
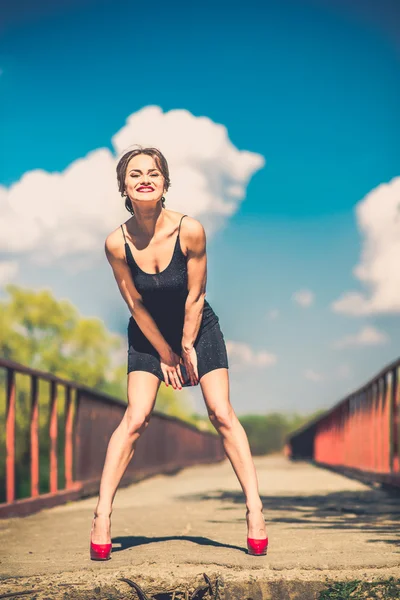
column 138, row 589
column 198, row 594
column 13, row 594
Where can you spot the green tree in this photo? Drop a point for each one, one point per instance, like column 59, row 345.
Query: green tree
column 267, row 433
column 49, row 334
column 45, row 333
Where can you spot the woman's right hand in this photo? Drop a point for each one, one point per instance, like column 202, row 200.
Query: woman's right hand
column 170, row 366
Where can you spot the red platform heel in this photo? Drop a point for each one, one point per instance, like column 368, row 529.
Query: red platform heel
column 257, row 547
column 99, row 551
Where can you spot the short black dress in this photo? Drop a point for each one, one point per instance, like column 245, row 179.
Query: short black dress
column 164, row 295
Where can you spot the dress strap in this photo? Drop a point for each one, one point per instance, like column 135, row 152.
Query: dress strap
column 179, row 229
column 123, row 232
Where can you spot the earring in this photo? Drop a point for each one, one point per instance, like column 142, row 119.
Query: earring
column 128, row 204
column 163, row 200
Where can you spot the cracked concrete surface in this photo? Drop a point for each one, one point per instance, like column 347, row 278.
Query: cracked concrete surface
column 168, row 530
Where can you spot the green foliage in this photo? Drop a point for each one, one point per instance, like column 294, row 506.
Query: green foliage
column 267, row 433
column 44, row 333
column 202, row 422
column 359, row 590
column 173, row 403
column 178, row 405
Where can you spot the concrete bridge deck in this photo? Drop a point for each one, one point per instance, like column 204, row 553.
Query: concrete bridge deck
column 169, row 530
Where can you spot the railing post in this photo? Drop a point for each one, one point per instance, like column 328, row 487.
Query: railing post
column 53, row 438
column 10, row 437
column 387, row 385
column 374, row 424
column 34, row 437
column 379, row 419
column 370, row 428
column 68, row 444
column 395, row 423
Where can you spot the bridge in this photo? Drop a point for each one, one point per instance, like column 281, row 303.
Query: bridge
column 330, row 501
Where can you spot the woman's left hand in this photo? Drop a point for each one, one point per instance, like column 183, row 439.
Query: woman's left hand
column 190, row 361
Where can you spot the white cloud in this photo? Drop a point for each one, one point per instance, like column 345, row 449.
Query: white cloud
column 272, row 315
column 8, row 271
column 65, row 217
column 242, row 355
column 312, row 375
column 208, row 174
column 378, row 217
column 304, row 298
column 368, row 336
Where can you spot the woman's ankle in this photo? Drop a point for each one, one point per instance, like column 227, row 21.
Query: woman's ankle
column 256, row 507
column 101, row 512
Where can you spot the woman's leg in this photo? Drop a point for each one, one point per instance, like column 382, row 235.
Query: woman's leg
column 142, row 393
column 215, row 389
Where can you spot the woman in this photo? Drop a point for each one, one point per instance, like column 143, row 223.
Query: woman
column 158, row 257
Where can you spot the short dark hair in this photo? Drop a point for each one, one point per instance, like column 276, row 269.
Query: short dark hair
column 159, row 159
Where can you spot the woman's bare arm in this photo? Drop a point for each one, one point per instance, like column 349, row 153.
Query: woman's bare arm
column 122, row 274
column 195, row 240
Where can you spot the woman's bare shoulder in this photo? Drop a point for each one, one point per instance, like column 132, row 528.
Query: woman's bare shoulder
column 192, row 228
column 193, row 236
column 114, row 243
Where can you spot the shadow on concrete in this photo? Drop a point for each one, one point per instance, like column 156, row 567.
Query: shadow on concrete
column 370, row 510
column 131, row 541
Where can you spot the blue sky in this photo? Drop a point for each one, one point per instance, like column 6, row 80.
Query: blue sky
column 310, row 86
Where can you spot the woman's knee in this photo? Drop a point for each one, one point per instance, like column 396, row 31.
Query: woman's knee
column 136, row 423
column 142, row 392
column 222, row 417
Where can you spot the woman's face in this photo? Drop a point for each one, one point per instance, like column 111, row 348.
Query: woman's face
column 144, row 181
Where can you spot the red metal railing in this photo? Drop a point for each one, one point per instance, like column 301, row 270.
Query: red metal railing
column 89, row 419
column 359, row 435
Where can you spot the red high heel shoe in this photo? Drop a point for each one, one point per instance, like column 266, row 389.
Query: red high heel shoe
column 99, row 551
column 257, row 547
